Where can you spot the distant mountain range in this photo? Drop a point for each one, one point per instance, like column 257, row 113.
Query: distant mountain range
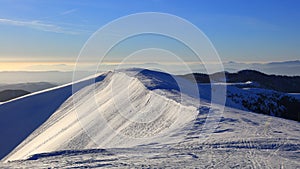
column 54, row 77
column 11, row 91
column 30, row 87
column 278, row 68
column 287, row 84
column 290, row 68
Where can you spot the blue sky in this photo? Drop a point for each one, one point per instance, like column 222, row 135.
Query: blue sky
column 55, row 31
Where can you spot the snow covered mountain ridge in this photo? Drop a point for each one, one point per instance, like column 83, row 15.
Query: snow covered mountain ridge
column 258, row 92
column 135, row 117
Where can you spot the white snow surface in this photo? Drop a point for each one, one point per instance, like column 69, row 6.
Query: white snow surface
column 123, row 121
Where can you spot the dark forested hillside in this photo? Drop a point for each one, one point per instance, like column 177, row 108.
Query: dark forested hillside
column 11, row 94
column 286, row 84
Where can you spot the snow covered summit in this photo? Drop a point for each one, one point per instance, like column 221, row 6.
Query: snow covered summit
column 140, row 117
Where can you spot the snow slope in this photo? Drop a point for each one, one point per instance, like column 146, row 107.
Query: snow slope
column 20, row 117
column 141, row 119
column 145, row 117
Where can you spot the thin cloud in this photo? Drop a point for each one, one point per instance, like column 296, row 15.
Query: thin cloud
column 37, row 25
column 69, row 11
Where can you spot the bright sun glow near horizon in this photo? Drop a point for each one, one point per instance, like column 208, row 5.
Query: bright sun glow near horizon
column 252, row 32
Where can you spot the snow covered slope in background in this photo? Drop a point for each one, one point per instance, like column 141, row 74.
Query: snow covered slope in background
column 264, row 101
column 135, row 118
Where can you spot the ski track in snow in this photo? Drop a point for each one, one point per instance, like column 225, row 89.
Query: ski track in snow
column 122, row 138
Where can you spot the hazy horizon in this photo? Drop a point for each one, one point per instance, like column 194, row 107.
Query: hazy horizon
column 52, row 38
column 62, row 76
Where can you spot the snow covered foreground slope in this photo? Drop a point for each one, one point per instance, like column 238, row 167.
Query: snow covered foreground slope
column 129, row 120
column 21, row 116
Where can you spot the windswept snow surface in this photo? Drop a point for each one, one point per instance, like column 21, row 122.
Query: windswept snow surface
column 118, row 112
column 20, row 117
column 134, row 118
